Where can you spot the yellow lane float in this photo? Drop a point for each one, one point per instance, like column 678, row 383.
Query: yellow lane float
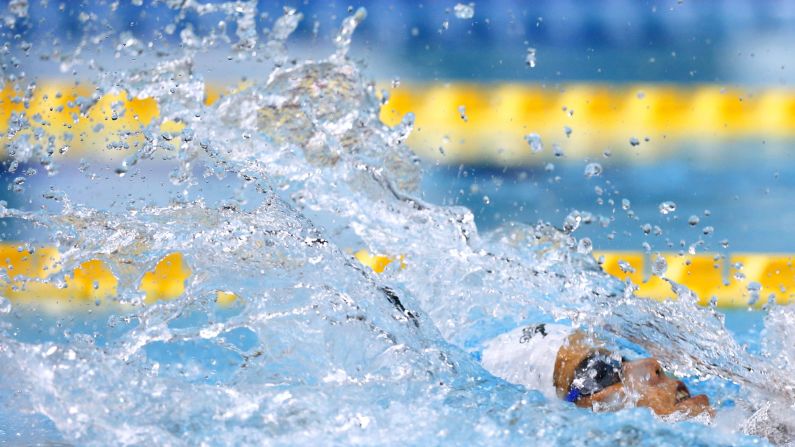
column 584, row 119
column 29, row 276
column 637, row 123
column 737, row 280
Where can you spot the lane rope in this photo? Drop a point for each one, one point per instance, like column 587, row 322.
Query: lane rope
column 726, row 281
column 459, row 122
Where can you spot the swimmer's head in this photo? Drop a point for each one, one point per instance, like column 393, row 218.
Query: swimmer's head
column 592, row 377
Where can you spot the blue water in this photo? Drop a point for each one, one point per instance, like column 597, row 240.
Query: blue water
column 746, row 199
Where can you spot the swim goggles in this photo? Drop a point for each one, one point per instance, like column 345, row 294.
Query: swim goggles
column 594, row 373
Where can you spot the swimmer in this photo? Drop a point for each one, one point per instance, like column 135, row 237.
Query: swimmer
column 566, row 364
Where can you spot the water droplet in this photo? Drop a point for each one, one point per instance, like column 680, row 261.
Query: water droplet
column 549, row 167
column 641, row 95
column 534, row 140
column 625, row 204
column 593, row 170
column 486, row 200
column 5, row 306
column 17, row 185
column 634, row 142
column 343, row 39
column 659, row 266
column 625, row 266
column 557, row 150
column 567, row 130
column 646, row 228
column 462, row 111
column 463, row 11
column 724, row 243
column 211, row 331
column 667, row 207
column 396, row 82
column 530, row 58
column 693, row 220
column 708, row 230
column 572, row 222
column 585, row 246
column 754, row 288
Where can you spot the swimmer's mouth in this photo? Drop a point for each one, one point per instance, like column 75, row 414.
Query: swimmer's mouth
column 682, row 393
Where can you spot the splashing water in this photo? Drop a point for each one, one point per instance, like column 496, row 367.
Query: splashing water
column 315, row 347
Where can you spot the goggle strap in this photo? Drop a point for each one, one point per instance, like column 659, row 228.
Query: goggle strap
column 573, row 395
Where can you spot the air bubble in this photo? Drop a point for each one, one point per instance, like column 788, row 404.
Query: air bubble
column 693, row 220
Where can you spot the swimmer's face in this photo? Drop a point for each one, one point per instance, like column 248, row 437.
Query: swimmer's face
column 640, row 382
column 644, row 383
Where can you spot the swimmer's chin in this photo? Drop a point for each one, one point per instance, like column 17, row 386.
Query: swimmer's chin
column 695, row 406
column 684, row 406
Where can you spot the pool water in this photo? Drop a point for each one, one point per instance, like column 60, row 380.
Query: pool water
column 266, row 193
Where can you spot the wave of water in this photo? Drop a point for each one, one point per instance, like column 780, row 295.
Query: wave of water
column 317, row 348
